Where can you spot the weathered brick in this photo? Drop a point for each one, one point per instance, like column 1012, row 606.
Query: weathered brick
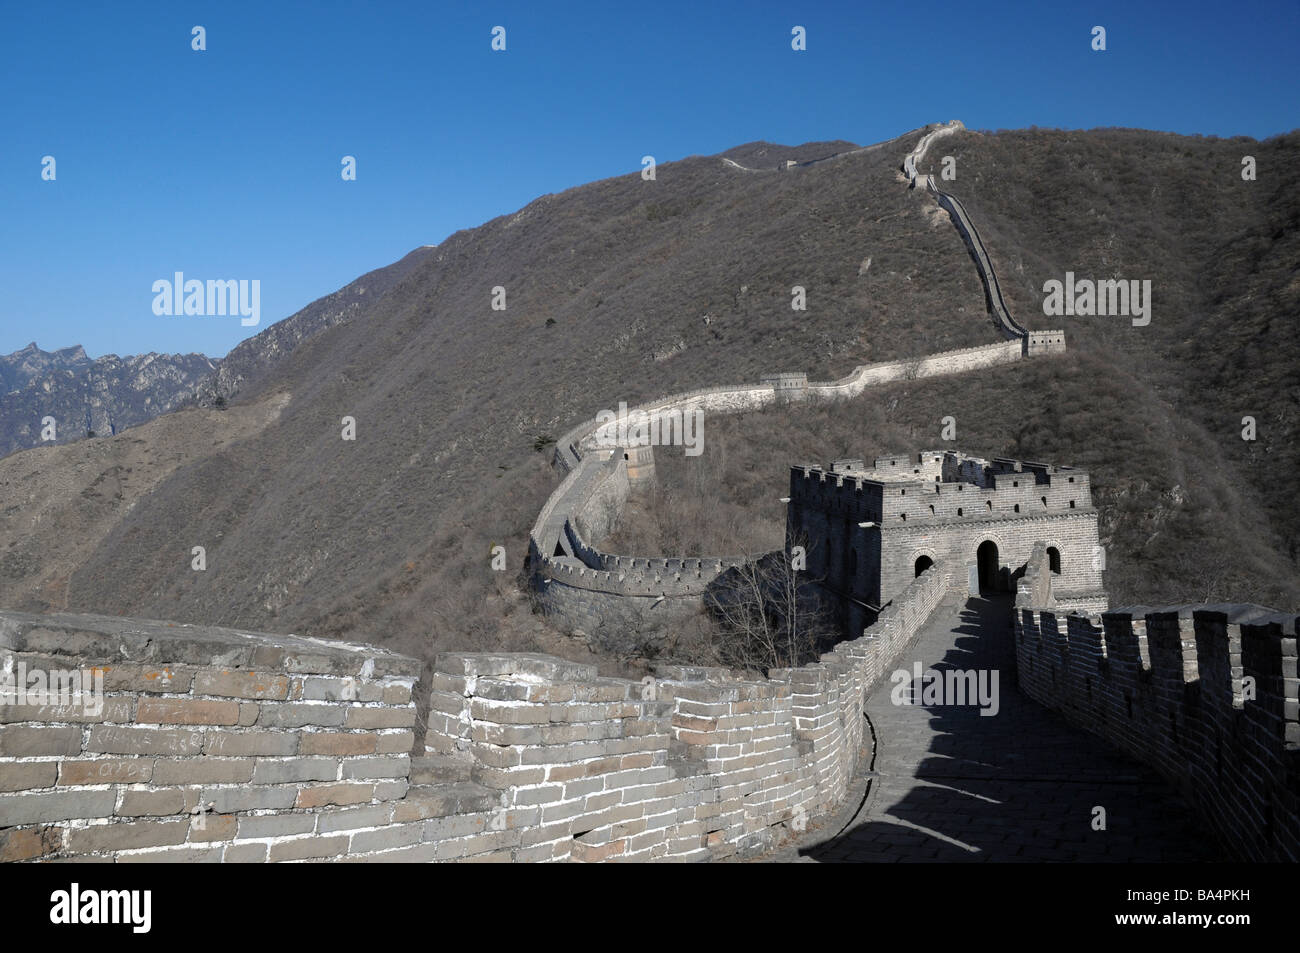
column 186, row 711
column 394, row 766
column 374, row 815
column 25, row 741
column 309, row 848
column 212, row 827
column 381, row 717
column 341, row 794
column 41, row 808
column 476, row 844
column 234, row 800
column 298, row 715
column 415, row 854
column 397, row 693
column 29, row 842
column 320, row 688
column 148, row 678
column 127, row 835
column 396, row 742
column 242, row 684
column 586, row 853
column 392, row 790
column 295, row 769
column 275, row 825
column 173, row 855
column 27, row 775
column 107, row 771
column 337, row 743
column 387, row 838
column 156, row 803
column 242, row 744
column 202, row 771
column 106, row 739
column 245, row 854
column 113, row 710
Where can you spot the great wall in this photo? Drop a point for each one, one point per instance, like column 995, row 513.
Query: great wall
column 609, row 598
column 210, row 744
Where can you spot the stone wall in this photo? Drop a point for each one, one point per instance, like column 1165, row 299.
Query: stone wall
column 907, row 519
column 558, row 565
column 1206, row 695
column 206, row 744
column 217, row 745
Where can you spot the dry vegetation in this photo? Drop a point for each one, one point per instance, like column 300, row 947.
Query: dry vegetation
column 627, row 290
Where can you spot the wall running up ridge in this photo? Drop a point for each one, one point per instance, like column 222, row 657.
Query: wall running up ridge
column 610, row 597
column 217, row 745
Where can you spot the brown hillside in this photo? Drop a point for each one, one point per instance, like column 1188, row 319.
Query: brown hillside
column 626, row 290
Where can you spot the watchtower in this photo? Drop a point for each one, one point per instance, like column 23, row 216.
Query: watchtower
column 869, row 532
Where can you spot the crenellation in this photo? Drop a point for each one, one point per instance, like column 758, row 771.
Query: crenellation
column 1205, row 695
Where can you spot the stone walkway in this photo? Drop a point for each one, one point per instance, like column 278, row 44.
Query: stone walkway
column 950, row 785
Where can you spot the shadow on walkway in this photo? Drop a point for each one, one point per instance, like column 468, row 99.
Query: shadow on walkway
column 1021, row 785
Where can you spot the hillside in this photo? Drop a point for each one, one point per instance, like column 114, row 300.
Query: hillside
column 623, row 290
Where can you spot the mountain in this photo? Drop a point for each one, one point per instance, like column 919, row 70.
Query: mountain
column 107, row 395
column 88, row 397
column 626, row 289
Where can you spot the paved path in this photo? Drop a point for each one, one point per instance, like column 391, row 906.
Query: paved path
column 951, row 785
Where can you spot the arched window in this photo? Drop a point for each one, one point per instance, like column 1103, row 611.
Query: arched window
column 1054, row 559
column 1044, row 502
column 1017, row 507
column 923, row 563
column 959, row 511
column 989, row 504
column 931, row 509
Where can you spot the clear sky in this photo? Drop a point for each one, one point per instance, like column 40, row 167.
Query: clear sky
column 225, row 163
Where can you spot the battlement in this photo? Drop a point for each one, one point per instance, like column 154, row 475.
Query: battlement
column 870, row 531
column 1044, row 342
column 1207, row 695
column 941, row 486
column 786, row 381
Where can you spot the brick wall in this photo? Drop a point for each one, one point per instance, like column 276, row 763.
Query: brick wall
column 696, row 764
column 208, row 744
column 1206, row 696
column 215, row 745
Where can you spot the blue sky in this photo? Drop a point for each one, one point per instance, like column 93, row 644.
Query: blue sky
column 226, row 163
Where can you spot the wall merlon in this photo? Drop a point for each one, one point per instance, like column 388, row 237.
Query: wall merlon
column 1173, row 676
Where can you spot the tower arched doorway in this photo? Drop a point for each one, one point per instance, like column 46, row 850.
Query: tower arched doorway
column 922, row 564
column 987, row 558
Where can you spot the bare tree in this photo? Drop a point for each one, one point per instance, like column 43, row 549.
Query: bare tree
column 768, row 615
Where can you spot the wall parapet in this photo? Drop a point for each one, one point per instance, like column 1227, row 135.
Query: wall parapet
column 693, row 764
column 217, row 745
column 1206, row 695
column 196, row 743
